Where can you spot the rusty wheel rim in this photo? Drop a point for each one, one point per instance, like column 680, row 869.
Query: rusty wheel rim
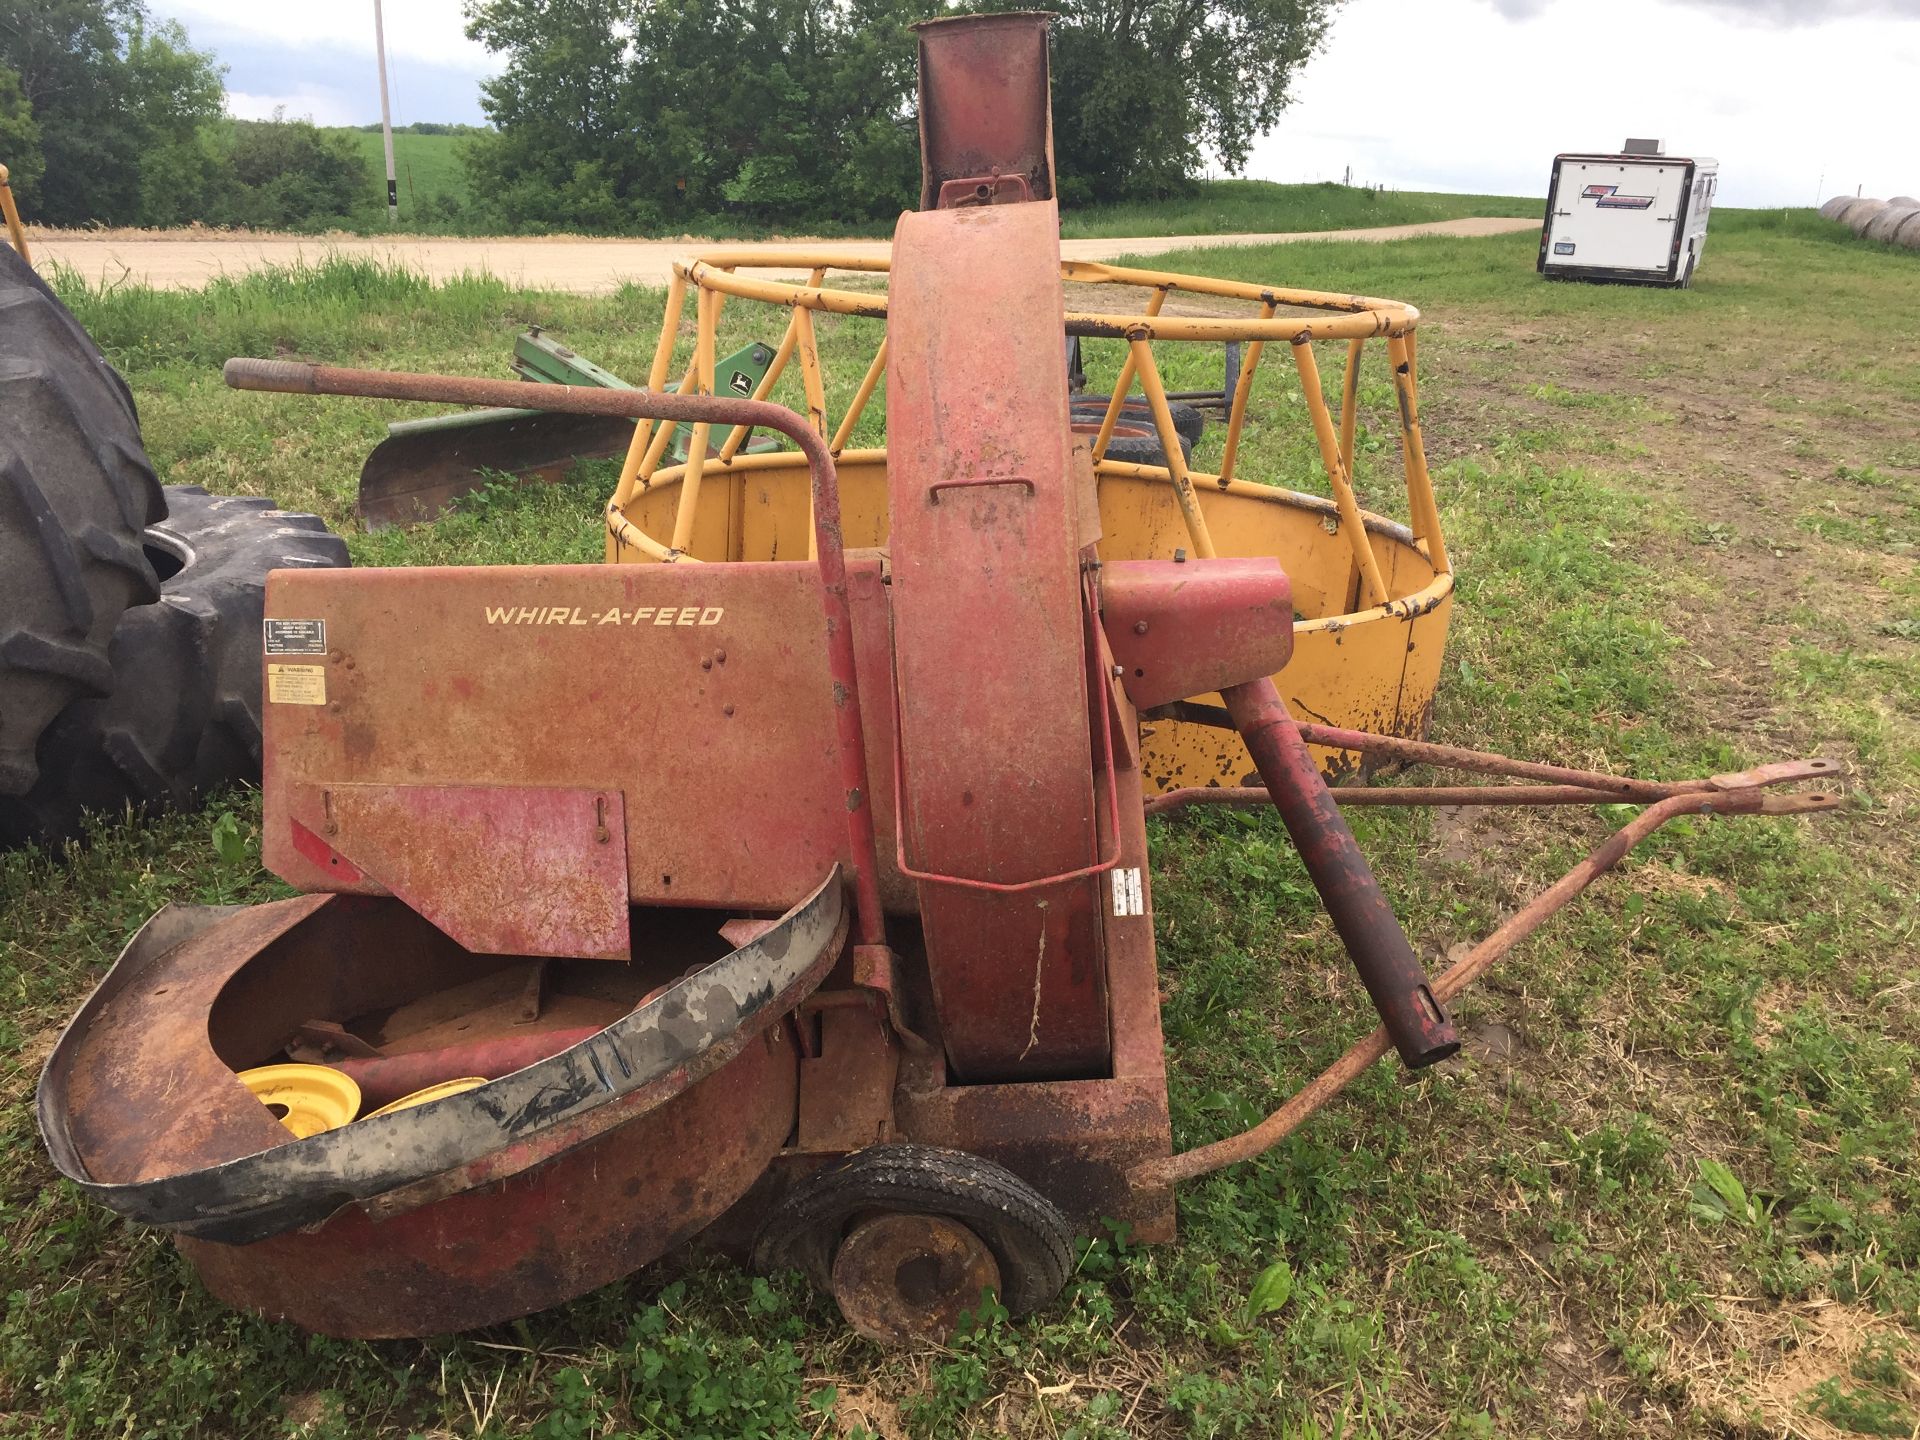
column 901, row 1278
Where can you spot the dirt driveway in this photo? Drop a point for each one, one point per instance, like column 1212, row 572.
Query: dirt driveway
column 176, row 261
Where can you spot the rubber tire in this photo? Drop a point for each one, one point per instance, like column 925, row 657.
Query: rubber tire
column 1188, row 421
column 1029, row 1237
column 1143, row 450
column 76, row 492
column 184, row 714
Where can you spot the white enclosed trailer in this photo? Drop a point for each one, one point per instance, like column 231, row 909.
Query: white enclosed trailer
column 1638, row 216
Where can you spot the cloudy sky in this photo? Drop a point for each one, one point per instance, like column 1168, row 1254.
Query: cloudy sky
column 1798, row 99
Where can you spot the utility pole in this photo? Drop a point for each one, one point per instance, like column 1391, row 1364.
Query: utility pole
column 386, row 116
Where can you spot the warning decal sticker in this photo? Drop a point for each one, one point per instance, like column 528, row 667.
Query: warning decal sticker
column 297, row 684
column 296, row 637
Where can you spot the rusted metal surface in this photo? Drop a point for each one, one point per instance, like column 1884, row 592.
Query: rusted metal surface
column 1748, row 800
column 447, row 678
column 1255, row 797
column 1188, row 628
column 416, row 475
column 900, row 1278
column 198, row 1169
column 1621, row 789
column 850, row 741
column 1076, row 1140
column 846, row 1085
column 989, row 640
column 528, row 1242
column 986, row 113
column 1395, row 980
column 445, row 849
column 385, row 1078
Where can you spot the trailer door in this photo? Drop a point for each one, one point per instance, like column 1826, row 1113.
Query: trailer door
column 1616, row 214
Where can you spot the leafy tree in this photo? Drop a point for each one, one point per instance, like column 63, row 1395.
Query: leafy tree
column 291, row 174
column 113, row 97
column 19, row 137
column 652, row 113
column 649, row 113
column 1144, row 89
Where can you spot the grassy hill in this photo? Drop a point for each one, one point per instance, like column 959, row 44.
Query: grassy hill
column 426, row 166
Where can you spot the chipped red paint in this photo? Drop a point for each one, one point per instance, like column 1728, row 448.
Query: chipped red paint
column 1181, row 628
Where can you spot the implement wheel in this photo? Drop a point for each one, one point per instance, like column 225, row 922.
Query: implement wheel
column 908, row 1237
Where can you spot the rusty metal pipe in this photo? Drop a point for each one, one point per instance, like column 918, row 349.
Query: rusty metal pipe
column 1204, row 1159
column 385, row 1078
column 1376, row 944
column 1256, row 797
column 1455, row 757
column 298, row 378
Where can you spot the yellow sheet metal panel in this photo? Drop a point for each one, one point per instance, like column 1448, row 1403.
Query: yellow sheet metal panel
column 1371, row 670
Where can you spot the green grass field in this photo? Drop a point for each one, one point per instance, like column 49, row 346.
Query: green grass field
column 426, row 167
column 1228, row 207
column 1671, row 1189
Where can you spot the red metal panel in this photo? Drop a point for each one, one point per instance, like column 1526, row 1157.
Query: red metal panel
column 531, row 1241
column 1076, row 1140
column 1190, row 627
column 986, row 115
column 445, row 848
column 990, row 641
column 698, row 693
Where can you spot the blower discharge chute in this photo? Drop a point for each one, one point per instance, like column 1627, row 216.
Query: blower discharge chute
column 799, row 901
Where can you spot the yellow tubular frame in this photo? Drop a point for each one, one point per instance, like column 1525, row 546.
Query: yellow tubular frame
column 1311, row 316
column 16, row 232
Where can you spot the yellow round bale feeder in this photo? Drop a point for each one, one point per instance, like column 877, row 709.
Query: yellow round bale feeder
column 1373, row 595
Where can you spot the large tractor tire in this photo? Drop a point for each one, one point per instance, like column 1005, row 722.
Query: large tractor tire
column 183, row 716
column 75, row 494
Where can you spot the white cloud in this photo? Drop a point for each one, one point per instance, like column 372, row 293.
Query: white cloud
column 429, row 30
column 322, row 107
column 1453, row 95
column 1798, row 99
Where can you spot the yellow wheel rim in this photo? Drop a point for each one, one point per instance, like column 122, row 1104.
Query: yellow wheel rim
column 432, row 1092
column 308, row 1099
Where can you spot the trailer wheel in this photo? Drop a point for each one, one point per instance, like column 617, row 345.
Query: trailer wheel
column 75, row 493
column 1188, row 421
column 1131, row 443
column 183, row 717
column 906, row 1237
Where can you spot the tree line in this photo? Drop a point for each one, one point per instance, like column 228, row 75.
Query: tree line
column 635, row 116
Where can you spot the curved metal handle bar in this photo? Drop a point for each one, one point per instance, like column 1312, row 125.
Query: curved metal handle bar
column 1740, row 794
column 299, row 378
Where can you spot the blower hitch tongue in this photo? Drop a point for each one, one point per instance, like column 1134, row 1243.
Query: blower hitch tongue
column 799, row 901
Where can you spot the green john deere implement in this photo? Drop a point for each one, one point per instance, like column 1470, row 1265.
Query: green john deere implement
column 423, row 466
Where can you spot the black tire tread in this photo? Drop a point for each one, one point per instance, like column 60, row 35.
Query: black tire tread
column 1029, row 1236
column 183, row 716
column 76, row 492
column 1188, row 421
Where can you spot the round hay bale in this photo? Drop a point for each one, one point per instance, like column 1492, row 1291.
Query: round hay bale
column 1887, row 221
column 1902, row 200
column 1908, row 235
column 1833, row 208
column 1860, row 212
